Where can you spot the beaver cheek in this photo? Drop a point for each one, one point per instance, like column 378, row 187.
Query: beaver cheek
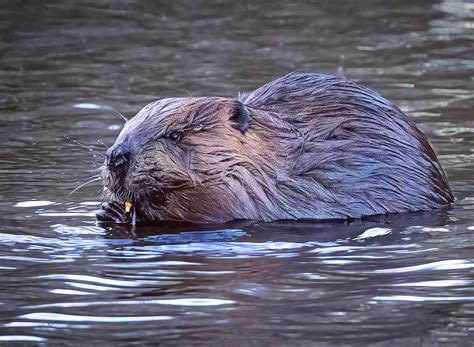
column 106, row 179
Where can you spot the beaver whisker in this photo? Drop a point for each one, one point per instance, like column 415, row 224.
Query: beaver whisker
column 90, row 148
column 97, row 165
column 100, row 142
column 83, row 185
column 90, row 106
column 97, row 169
column 92, row 176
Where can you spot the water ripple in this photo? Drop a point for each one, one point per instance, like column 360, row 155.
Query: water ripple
column 25, row 338
column 204, row 302
column 49, row 316
column 437, row 283
column 101, row 280
column 452, row 264
column 413, row 298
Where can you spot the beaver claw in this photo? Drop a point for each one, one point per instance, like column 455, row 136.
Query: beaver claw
column 112, row 212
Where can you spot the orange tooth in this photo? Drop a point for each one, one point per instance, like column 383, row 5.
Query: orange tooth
column 128, row 206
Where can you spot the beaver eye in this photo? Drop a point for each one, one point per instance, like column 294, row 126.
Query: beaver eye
column 175, row 136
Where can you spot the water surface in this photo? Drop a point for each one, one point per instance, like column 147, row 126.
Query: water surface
column 405, row 280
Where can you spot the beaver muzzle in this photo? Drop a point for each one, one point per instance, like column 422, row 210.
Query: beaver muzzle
column 118, row 157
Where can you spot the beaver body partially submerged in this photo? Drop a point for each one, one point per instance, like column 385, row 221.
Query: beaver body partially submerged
column 304, row 146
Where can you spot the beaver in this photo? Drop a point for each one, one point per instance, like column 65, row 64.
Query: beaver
column 303, row 146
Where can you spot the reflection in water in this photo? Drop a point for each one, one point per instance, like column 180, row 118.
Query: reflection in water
column 402, row 280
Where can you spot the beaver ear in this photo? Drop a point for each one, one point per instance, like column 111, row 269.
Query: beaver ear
column 240, row 117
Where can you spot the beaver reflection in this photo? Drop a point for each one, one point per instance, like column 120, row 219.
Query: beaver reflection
column 304, row 146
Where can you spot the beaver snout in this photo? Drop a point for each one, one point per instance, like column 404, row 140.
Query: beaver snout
column 118, row 157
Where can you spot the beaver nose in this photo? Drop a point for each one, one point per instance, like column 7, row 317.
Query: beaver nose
column 118, row 156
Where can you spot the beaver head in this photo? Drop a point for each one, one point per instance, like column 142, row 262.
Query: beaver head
column 187, row 159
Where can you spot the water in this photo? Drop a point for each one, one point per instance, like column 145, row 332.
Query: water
column 406, row 280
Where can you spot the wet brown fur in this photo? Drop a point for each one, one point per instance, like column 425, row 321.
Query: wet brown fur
column 304, row 146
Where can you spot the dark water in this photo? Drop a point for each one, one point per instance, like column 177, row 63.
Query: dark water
column 405, row 281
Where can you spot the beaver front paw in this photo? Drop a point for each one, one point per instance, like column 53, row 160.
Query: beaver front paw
column 113, row 212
